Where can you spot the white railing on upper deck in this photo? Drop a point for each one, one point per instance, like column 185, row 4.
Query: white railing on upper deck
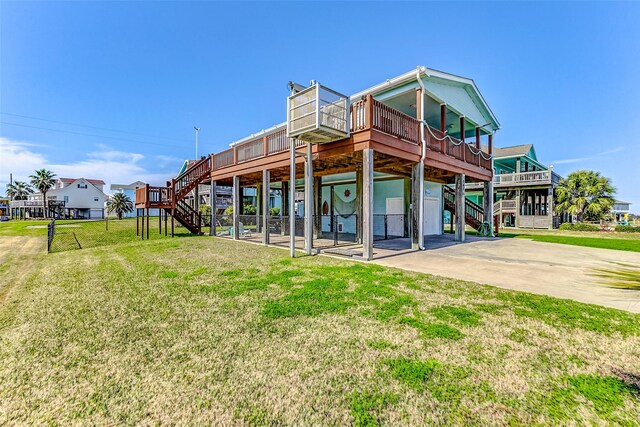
column 523, row 178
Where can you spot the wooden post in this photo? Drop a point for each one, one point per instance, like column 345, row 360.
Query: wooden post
column 284, row 192
column 159, row 221
column 265, row 146
column 212, row 202
column 332, row 224
column 460, row 208
column 236, row 207
column 359, row 203
column 165, row 222
column 317, row 208
column 462, row 129
column 368, row 124
column 259, row 189
column 147, row 223
column 266, row 183
column 367, row 201
column 478, row 146
column 137, row 226
column 417, row 205
column 490, row 143
column 487, row 195
column 443, row 117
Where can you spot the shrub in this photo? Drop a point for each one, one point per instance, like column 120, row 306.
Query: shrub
column 274, row 211
column 627, row 229
column 579, row 226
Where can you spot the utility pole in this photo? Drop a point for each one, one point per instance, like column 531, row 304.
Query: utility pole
column 197, row 130
column 11, row 183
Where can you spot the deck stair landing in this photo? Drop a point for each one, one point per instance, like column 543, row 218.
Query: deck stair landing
column 171, row 198
column 473, row 213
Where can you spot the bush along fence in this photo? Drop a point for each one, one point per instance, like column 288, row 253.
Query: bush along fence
column 64, row 235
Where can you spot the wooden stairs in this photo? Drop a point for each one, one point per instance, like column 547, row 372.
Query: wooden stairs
column 170, row 199
column 473, row 213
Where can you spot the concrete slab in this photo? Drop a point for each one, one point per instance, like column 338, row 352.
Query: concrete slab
column 557, row 270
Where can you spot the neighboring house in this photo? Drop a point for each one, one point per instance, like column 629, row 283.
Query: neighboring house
column 373, row 165
column 70, row 198
column 4, row 208
column 523, row 189
column 620, row 212
column 130, row 191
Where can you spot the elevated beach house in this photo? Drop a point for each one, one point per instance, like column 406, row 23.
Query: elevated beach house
column 523, row 189
column 70, row 198
column 357, row 169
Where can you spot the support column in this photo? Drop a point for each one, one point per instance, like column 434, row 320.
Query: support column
column 284, row 198
column 359, row 203
column 147, row 223
column 214, row 208
column 236, row 207
column 460, row 211
column 259, row 191
column 308, row 201
column 518, row 209
column 292, row 198
column 550, row 206
column 443, row 117
column 417, row 206
column 367, row 204
column 487, row 196
column 406, row 194
column 266, row 185
column 137, row 226
column 317, row 198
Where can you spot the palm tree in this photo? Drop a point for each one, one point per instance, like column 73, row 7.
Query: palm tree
column 586, row 194
column 43, row 180
column 119, row 203
column 19, row 190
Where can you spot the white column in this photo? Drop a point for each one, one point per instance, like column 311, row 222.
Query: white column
column 417, row 206
column 308, row 201
column 292, row 198
column 266, row 190
column 460, row 208
column 367, row 203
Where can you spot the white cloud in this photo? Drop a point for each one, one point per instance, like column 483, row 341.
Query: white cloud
column 104, row 163
column 584, row 159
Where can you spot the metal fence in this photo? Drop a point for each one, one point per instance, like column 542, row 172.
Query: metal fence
column 66, row 235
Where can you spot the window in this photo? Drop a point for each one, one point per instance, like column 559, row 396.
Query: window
column 95, row 199
column 82, row 186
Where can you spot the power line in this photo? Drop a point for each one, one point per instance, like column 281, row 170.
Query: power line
column 89, row 126
column 88, row 134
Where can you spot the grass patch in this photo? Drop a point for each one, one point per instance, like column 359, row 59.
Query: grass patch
column 196, row 332
column 413, row 373
column 366, row 408
column 459, row 315
column 433, row 330
column 631, row 245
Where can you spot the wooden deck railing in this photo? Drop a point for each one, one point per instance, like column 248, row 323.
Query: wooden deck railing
column 366, row 114
column 152, row 197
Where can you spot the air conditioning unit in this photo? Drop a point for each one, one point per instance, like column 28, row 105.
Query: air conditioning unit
column 318, row 115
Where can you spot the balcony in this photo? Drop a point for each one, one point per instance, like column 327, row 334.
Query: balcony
column 371, row 120
column 154, row 197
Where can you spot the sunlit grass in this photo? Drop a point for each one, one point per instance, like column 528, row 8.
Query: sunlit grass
column 212, row 331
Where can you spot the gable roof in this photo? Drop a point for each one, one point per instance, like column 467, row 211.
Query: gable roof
column 90, row 181
column 513, row 151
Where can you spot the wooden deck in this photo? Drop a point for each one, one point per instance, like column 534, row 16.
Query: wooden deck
column 393, row 135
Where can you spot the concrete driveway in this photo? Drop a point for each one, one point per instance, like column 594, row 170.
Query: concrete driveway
column 557, row 270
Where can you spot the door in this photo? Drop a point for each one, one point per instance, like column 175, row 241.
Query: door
column 432, row 216
column 395, row 216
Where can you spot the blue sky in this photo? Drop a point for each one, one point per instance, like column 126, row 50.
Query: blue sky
column 564, row 76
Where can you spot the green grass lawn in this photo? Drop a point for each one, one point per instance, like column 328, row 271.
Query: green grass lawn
column 617, row 241
column 212, row 331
